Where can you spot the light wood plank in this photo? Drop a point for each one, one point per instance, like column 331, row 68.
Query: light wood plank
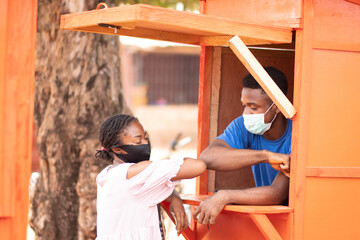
column 265, row 226
column 142, row 16
column 262, row 77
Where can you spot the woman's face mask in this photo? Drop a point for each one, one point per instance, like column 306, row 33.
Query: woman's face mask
column 135, row 153
column 255, row 123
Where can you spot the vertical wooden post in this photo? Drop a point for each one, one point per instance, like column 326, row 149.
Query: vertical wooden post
column 17, row 61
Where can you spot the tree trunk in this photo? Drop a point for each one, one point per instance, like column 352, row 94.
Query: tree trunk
column 77, row 87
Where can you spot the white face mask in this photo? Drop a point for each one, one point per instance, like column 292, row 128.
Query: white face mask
column 255, row 123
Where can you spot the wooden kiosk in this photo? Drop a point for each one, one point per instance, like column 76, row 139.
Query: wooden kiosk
column 317, row 45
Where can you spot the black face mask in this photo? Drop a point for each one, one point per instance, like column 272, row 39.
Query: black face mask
column 135, row 153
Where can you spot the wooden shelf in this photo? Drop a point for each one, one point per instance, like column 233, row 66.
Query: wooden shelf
column 165, row 24
column 195, row 200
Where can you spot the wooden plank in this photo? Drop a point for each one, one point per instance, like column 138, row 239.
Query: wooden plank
column 265, row 226
column 354, row 1
column 145, row 33
column 195, row 200
column 142, row 16
column 204, row 112
column 214, row 106
column 337, row 25
column 333, row 172
column 16, row 114
column 268, row 12
column 262, row 77
column 301, row 123
column 6, row 206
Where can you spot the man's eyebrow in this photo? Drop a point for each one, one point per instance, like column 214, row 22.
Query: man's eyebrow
column 250, row 103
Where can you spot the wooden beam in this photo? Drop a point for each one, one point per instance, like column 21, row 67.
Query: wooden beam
column 141, row 16
column 354, row 1
column 265, row 226
column 195, row 200
column 262, row 77
column 214, row 106
column 333, row 172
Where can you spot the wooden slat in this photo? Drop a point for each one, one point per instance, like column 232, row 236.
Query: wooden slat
column 7, row 195
column 265, row 226
column 262, row 77
column 214, row 106
column 354, row 1
column 333, row 172
column 209, row 28
column 204, row 112
column 195, row 200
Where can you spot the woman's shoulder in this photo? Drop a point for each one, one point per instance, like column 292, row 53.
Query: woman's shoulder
column 135, row 169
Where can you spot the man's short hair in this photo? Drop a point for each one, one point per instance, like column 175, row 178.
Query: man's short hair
column 277, row 75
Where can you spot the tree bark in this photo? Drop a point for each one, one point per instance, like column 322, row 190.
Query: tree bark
column 77, row 86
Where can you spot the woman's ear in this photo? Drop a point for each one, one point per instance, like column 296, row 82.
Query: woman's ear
column 118, row 150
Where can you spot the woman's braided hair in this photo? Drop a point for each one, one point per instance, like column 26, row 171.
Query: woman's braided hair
column 109, row 135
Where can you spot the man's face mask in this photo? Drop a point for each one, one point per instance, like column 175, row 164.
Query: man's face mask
column 135, row 153
column 255, row 123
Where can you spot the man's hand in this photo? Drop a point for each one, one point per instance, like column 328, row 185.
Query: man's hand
column 280, row 162
column 209, row 209
column 178, row 213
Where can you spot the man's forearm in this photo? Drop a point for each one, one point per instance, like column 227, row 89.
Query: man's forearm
column 252, row 196
column 229, row 159
column 276, row 193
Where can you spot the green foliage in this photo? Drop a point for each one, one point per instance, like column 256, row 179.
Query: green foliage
column 190, row 5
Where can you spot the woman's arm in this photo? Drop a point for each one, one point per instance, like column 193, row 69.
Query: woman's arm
column 189, row 169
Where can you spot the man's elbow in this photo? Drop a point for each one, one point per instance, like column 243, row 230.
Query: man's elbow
column 206, row 157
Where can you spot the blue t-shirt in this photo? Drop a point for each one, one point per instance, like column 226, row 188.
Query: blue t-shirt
column 238, row 137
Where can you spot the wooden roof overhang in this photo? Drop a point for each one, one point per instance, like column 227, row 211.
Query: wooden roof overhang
column 165, row 24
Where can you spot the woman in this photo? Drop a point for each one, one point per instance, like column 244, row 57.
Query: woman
column 130, row 189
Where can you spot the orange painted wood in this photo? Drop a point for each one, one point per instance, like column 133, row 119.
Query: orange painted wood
column 204, row 112
column 272, row 209
column 332, row 208
column 354, row 1
column 337, row 25
column 333, row 172
column 299, row 142
column 262, row 77
column 7, row 195
column 235, row 226
column 265, row 226
column 16, row 114
column 268, row 12
column 168, row 20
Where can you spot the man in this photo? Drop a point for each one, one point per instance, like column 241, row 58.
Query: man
column 260, row 138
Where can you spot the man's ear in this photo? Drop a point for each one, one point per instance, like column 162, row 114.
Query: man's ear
column 277, row 110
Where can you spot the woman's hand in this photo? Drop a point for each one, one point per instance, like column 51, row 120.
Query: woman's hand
column 178, row 213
